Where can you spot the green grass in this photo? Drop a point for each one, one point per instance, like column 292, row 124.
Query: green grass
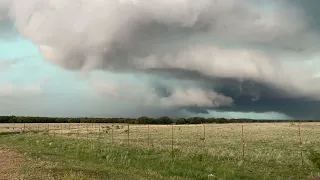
column 271, row 152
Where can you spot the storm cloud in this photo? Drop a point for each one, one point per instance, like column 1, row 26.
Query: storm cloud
column 226, row 55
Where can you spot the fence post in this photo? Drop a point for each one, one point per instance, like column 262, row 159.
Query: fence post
column 172, row 141
column 87, row 133
column 54, row 130
column 78, row 130
column 128, row 133
column 38, row 128
column 204, row 139
column 204, row 132
column 99, row 131
column 112, row 136
column 242, row 142
column 24, row 127
column 61, row 128
column 148, row 136
column 300, row 145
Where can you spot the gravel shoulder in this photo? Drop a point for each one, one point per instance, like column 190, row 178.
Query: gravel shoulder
column 10, row 162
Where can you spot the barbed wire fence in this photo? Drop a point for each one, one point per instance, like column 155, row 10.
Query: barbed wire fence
column 237, row 141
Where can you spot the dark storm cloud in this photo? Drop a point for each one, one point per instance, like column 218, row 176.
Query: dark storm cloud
column 268, row 99
column 311, row 8
column 296, row 108
column 260, row 98
column 7, row 29
column 237, row 55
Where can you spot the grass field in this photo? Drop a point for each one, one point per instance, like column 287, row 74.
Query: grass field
column 210, row 151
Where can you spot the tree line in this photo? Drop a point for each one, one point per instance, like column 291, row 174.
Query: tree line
column 140, row 120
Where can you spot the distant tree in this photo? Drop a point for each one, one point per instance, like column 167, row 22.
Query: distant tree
column 196, row 120
column 181, row 121
column 144, row 120
column 165, row 120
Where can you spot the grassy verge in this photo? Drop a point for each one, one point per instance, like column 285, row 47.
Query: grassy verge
column 67, row 158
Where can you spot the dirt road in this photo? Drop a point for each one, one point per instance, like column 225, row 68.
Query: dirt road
column 9, row 163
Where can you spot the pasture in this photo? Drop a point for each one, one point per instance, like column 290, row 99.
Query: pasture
column 204, row 151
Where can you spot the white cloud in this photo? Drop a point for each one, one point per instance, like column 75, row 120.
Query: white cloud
column 33, row 89
column 196, row 97
column 79, row 34
column 5, row 66
column 7, row 63
column 11, row 91
column 145, row 95
column 82, row 34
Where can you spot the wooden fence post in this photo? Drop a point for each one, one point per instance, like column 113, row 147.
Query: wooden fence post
column 204, row 132
column 112, row 136
column 128, row 134
column 243, row 143
column 148, row 136
column 54, row 130
column 204, row 139
column 300, row 145
column 78, row 130
column 172, row 141
column 87, row 133
column 99, row 131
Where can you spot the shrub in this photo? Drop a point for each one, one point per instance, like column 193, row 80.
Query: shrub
column 314, row 157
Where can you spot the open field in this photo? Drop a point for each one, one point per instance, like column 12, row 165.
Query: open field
column 214, row 151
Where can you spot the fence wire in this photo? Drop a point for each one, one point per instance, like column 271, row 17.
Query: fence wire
column 256, row 142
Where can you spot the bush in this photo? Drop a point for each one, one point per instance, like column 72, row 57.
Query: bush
column 314, row 157
column 196, row 120
column 181, row 121
column 165, row 120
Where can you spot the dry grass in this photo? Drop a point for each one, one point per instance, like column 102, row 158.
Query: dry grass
column 267, row 141
column 10, row 162
column 267, row 145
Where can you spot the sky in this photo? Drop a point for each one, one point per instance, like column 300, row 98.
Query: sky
column 254, row 59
